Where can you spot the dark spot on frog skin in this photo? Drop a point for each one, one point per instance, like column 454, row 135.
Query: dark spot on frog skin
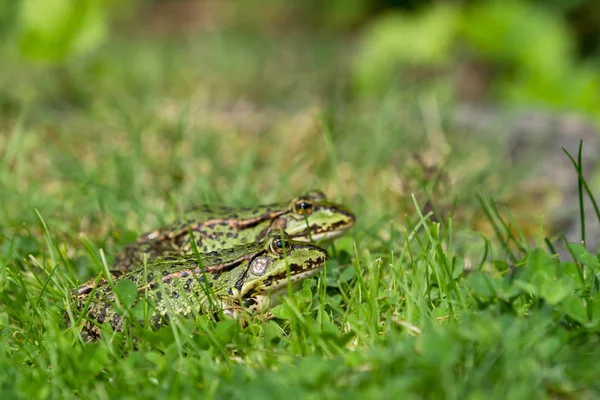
column 175, row 295
column 216, row 277
column 102, row 315
column 159, row 296
column 249, row 302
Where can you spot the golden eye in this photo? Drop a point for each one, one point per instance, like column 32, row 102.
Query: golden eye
column 280, row 246
column 303, row 207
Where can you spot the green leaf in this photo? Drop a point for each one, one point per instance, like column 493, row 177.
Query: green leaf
column 583, row 256
column 572, row 270
column 539, row 272
column 226, row 330
column 506, row 289
column 555, row 292
column 439, row 349
column 127, row 292
column 400, row 39
column 139, row 310
column 594, row 303
column 313, row 369
column 527, row 287
column 458, row 266
column 574, row 307
column 96, row 357
column 347, row 275
column 52, row 30
column 4, row 319
column 272, row 331
column 521, row 34
column 482, row 283
column 157, row 359
column 330, row 329
column 282, row 311
column 304, row 295
column 540, row 261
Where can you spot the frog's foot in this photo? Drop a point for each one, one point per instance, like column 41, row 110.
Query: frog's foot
column 265, row 317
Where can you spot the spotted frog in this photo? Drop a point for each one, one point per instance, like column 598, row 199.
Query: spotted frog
column 309, row 217
column 226, row 282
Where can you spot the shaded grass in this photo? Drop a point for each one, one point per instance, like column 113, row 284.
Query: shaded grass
column 411, row 304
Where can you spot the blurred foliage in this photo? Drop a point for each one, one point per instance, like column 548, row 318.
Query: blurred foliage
column 55, row 30
column 527, row 51
column 518, row 34
column 398, row 39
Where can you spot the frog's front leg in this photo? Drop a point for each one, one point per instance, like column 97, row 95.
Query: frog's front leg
column 232, row 309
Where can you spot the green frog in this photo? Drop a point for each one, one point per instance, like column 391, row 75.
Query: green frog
column 309, row 217
column 245, row 277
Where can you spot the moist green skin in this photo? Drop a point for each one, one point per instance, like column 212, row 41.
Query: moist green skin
column 213, row 228
column 244, row 276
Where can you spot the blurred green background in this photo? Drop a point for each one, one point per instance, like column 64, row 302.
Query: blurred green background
column 520, row 52
column 135, row 99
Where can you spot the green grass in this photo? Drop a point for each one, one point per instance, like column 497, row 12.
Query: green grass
column 103, row 150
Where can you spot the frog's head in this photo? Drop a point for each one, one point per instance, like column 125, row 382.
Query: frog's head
column 312, row 217
column 281, row 258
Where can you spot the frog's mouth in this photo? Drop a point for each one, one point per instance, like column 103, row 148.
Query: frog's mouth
column 321, row 236
column 296, row 273
column 274, row 289
column 318, row 233
column 269, row 291
column 278, row 283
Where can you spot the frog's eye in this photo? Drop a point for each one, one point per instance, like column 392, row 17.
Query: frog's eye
column 280, row 246
column 303, row 207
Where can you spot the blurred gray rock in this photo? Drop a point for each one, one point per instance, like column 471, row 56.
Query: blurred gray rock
column 534, row 140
